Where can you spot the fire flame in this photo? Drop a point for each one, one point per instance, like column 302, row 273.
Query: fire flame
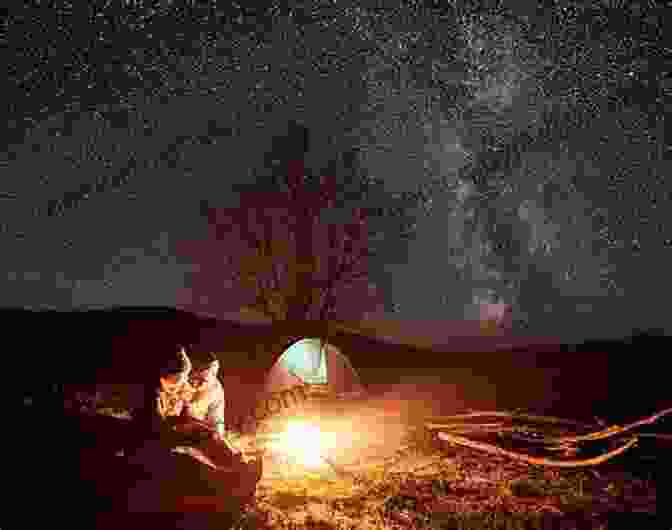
column 302, row 442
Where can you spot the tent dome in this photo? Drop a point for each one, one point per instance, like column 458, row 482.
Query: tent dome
column 314, row 362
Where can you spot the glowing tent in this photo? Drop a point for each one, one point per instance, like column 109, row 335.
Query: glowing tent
column 312, row 362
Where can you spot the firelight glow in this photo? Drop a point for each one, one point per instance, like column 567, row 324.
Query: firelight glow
column 303, row 443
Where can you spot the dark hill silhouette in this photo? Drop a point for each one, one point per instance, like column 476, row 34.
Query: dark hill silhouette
column 613, row 379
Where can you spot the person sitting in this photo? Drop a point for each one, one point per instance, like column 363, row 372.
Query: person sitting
column 179, row 420
column 207, row 402
column 173, row 439
column 166, row 399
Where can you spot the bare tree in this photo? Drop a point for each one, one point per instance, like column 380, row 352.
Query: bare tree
column 303, row 245
column 288, row 253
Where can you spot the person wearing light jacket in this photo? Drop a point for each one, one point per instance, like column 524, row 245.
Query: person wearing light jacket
column 166, row 400
column 207, row 402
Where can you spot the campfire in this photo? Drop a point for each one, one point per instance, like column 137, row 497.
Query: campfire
column 303, row 443
column 326, row 444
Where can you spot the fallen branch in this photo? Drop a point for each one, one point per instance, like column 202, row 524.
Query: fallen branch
column 492, row 449
column 600, row 435
column 469, row 429
column 557, row 443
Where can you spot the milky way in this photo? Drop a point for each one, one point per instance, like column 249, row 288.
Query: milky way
column 535, row 138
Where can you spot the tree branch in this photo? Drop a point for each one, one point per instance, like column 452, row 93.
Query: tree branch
column 492, row 449
column 563, row 443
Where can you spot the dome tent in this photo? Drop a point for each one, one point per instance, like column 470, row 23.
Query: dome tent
column 313, row 362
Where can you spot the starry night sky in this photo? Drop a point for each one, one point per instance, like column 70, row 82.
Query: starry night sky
column 538, row 130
